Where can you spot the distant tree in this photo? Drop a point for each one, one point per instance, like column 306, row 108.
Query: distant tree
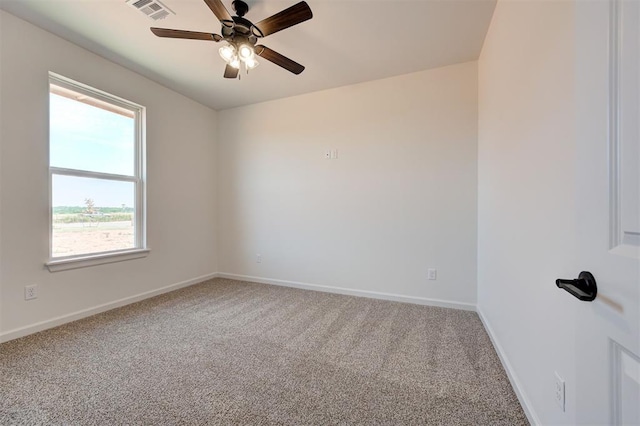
column 90, row 206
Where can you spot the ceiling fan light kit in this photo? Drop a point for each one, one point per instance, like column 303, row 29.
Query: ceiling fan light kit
column 239, row 56
column 241, row 35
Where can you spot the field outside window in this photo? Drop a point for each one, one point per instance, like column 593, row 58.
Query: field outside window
column 96, row 172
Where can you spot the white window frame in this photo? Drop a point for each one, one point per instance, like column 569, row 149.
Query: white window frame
column 138, row 179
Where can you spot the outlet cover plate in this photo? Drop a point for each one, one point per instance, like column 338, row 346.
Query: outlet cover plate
column 432, row 274
column 559, row 391
column 30, row 292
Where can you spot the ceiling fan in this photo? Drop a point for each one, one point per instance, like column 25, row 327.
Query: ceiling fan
column 242, row 35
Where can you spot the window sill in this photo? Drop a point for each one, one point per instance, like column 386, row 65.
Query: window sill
column 96, row 259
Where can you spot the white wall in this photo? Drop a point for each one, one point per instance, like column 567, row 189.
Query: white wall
column 181, row 136
column 526, row 210
column 400, row 198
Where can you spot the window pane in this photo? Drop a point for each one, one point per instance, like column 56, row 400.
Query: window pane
column 91, row 215
column 88, row 134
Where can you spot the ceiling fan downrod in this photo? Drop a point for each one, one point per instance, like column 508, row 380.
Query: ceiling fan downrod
column 240, row 7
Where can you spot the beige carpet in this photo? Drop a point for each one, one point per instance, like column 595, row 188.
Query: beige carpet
column 229, row 352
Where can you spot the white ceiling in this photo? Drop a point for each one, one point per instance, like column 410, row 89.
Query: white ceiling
column 346, row 42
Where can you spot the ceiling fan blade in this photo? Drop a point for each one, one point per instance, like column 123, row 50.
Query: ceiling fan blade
column 193, row 35
column 221, row 12
column 287, row 18
column 278, row 59
column 230, row 72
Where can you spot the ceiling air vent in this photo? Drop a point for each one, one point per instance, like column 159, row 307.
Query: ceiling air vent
column 152, row 8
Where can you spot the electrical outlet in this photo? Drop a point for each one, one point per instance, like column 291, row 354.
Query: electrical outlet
column 559, row 390
column 258, row 258
column 432, row 274
column 327, row 154
column 30, row 292
column 334, row 154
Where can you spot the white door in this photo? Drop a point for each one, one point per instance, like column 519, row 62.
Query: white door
column 607, row 358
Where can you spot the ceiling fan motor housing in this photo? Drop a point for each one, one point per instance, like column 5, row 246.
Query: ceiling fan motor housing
column 241, row 30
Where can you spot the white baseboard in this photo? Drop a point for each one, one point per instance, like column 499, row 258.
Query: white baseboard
column 353, row 292
column 513, row 378
column 63, row 319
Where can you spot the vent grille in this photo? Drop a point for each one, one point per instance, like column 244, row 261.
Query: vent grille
column 154, row 9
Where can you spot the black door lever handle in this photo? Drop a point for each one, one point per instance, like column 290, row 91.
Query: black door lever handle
column 584, row 288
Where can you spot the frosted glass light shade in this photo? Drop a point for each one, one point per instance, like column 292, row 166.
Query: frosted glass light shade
column 251, row 63
column 245, row 52
column 227, row 52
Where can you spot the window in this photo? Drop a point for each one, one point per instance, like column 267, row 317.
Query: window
column 96, row 170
